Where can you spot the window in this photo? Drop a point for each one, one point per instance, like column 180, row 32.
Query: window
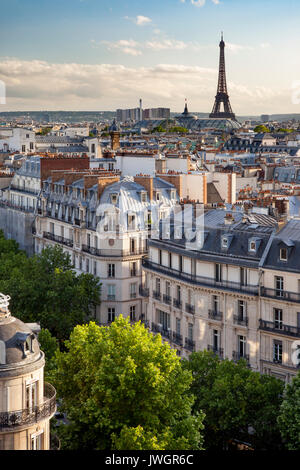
column 216, row 303
column 283, row 254
column 243, row 276
column 133, row 270
column 131, row 222
column 111, row 294
column 113, row 198
column 168, row 288
column 279, row 286
column 224, row 242
column 216, row 340
column 132, row 245
column 158, row 196
column 31, row 396
column 133, row 291
column 178, row 292
column 180, row 263
column 218, row 272
column 132, row 313
column 164, row 320
column 111, row 314
column 159, row 256
column 277, row 351
column 170, row 260
column 242, row 346
column 87, row 267
column 143, row 197
column 37, row 441
column 190, row 331
column 111, row 270
column 157, row 285
column 241, row 310
column 95, row 268
column 278, row 319
column 178, row 326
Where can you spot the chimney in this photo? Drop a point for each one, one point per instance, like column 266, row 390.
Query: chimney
column 147, row 182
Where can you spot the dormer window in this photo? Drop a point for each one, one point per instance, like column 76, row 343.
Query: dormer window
column 224, row 242
column 252, row 246
column 283, row 254
column 173, row 194
column 114, row 198
column 143, row 196
column 158, row 196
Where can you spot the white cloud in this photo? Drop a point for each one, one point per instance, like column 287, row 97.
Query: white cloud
column 127, row 46
column 166, row 44
column 39, row 84
column 198, row 3
column 139, row 20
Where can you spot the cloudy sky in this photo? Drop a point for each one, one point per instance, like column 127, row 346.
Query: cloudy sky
column 106, row 54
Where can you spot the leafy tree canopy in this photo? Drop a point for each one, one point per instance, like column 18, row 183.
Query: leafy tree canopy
column 289, row 416
column 123, row 388
column 261, row 128
column 238, row 403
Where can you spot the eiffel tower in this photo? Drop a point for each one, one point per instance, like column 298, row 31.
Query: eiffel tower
column 222, row 95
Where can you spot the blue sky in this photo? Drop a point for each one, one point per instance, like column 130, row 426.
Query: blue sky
column 105, row 54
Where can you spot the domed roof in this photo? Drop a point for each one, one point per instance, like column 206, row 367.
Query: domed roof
column 18, row 343
column 114, row 127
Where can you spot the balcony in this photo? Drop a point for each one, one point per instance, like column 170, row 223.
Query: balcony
column 236, row 356
column 217, row 351
column 58, row 239
column 133, row 273
column 156, row 294
column 177, row 303
column 215, row 315
column 177, row 338
column 167, row 299
column 144, row 291
column 190, row 308
column 280, row 294
column 133, row 295
column 111, row 296
column 239, row 320
column 280, row 329
column 200, row 280
column 189, row 345
column 27, row 417
column 112, row 252
column 158, row 328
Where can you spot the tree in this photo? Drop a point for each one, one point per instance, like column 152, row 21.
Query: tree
column 46, row 289
column 49, row 345
column 178, row 129
column 238, row 403
column 123, row 388
column 289, row 416
column 261, row 129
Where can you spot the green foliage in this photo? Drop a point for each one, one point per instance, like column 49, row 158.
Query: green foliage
column 158, row 129
column 288, row 131
column 49, row 345
column 44, row 288
column 178, row 129
column 289, row 417
column 123, row 388
column 44, row 131
column 261, row 128
column 235, row 400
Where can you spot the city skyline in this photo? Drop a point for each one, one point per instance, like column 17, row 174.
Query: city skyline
column 93, row 55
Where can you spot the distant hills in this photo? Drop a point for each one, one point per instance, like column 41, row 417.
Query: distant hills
column 95, row 116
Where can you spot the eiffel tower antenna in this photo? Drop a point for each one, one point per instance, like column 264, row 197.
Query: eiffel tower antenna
column 222, row 95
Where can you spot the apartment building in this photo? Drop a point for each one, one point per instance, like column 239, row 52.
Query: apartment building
column 102, row 221
column 219, row 295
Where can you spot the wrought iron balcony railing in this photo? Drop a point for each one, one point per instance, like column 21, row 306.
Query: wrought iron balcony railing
column 236, row 356
column 280, row 294
column 177, row 338
column 112, row 252
column 215, row 315
column 218, row 351
column 167, row 299
column 190, row 308
column 189, row 344
column 177, row 303
column 243, row 321
column 279, row 328
column 156, row 295
column 144, row 291
column 158, row 328
column 200, row 280
column 58, row 239
column 29, row 416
